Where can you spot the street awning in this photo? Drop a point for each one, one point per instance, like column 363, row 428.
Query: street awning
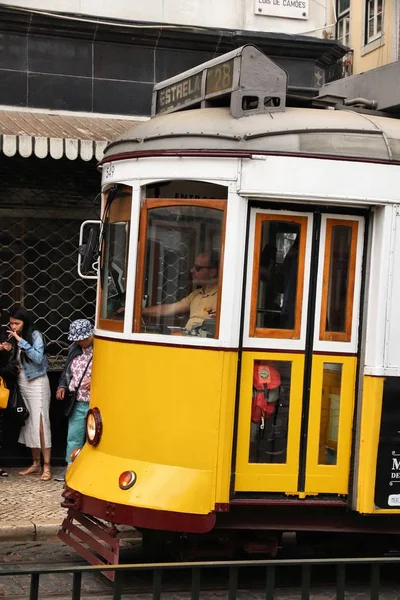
column 41, row 134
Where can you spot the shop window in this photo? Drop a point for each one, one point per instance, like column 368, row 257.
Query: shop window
column 277, row 291
column 114, row 259
column 180, row 267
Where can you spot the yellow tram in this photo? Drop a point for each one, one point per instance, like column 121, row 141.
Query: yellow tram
column 246, row 361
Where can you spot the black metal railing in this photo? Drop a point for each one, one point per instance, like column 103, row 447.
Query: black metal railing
column 267, row 584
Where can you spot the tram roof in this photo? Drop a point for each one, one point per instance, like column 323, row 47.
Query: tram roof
column 327, row 132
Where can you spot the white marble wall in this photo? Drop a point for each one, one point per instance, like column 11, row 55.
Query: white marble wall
column 226, row 14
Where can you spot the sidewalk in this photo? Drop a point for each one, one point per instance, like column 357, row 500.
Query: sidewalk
column 29, row 508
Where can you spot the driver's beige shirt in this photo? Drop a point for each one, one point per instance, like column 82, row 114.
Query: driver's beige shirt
column 199, row 302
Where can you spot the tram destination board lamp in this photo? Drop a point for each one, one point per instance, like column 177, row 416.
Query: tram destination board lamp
column 245, row 79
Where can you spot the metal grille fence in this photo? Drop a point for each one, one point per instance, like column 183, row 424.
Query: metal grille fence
column 42, row 204
column 262, row 579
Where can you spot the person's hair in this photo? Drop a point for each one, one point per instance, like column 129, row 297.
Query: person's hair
column 213, row 259
column 20, row 313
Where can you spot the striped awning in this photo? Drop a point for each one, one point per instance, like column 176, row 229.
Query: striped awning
column 41, row 134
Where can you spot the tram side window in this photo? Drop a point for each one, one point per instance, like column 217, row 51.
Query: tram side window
column 180, row 268
column 115, row 259
column 270, row 411
column 277, row 283
column 339, row 276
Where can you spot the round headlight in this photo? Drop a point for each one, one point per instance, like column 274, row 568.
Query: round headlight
column 127, row 479
column 74, row 454
column 94, row 426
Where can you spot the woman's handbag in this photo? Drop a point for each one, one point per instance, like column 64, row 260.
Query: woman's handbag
column 69, row 401
column 4, row 393
column 71, row 396
column 16, row 406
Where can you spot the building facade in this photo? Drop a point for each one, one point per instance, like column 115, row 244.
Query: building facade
column 371, row 29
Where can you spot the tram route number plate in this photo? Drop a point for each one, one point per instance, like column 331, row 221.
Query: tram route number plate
column 219, row 79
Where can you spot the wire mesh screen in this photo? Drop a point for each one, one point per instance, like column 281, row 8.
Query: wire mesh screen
column 42, row 204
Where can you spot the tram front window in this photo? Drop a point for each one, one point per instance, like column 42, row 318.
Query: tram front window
column 115, row 258
column 180, row 282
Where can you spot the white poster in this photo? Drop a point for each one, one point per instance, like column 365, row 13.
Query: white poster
column 286, row 9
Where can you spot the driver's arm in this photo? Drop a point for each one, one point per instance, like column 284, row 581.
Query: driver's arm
column 166, row 310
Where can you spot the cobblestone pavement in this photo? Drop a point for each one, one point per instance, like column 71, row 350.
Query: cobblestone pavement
column 29, row 505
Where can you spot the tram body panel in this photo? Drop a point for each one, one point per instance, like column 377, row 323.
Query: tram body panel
column 350, row 182
column 167, row 415
column 371, row 411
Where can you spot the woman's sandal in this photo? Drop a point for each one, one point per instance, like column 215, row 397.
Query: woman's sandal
column 46, row 475
column 32, row 470
column 3, row 473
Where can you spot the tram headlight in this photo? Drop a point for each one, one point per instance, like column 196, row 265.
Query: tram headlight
column 127, row 479
column 94, row 426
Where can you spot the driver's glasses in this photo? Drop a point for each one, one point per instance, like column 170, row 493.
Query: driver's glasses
column 198, row 268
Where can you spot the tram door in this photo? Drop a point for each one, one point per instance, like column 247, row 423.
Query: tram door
column 299, row 352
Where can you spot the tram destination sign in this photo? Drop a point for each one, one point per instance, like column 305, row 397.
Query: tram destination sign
column 193, row 89
column 231, row 80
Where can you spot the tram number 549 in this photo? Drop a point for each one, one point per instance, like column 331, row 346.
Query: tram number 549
column 109, row 171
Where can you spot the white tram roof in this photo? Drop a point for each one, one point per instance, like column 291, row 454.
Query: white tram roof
column 326, row 132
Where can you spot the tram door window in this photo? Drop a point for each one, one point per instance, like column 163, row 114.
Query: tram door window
column 270, row 411
column 338, row 287
column 299, row 358
column 114, row 259
column 278, row 283
column 179, row 267
column 330, row 412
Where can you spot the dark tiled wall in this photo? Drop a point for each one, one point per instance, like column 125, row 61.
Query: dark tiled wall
column 104, row 70
column 74, row 74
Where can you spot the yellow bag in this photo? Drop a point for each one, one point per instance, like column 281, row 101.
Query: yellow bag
column 4, row 393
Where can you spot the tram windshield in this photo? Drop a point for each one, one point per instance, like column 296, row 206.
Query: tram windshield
column 179, row 268
column 115, row 258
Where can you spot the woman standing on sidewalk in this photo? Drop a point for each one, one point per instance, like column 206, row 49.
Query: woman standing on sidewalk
column 33, row 383
column 76, row 376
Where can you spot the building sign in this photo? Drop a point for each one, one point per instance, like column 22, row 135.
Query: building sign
column 285, row 9
column 387, row 479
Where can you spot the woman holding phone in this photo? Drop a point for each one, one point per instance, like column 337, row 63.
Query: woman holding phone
column 29, row 350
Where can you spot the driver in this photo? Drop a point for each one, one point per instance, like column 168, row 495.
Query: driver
column 200, row 304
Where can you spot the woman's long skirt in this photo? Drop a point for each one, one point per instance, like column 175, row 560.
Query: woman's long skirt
column 36, row 394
